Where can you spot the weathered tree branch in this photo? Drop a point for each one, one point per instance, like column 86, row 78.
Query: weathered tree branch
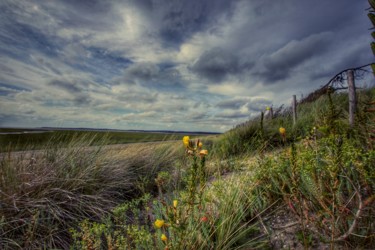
column 323, row 90
column 342, row 71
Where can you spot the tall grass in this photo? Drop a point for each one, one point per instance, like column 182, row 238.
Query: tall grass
column 329, row 112
column 44, row 193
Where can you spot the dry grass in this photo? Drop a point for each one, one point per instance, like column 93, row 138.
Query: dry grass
column 44, row 193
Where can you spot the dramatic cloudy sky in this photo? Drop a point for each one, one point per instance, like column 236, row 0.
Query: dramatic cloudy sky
column 169, row 64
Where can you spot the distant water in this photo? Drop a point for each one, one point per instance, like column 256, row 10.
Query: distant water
column 23, row 132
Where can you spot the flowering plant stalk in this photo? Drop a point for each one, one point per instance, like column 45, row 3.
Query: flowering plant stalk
column 197, row 174
column 282, row 131
column 173, row 223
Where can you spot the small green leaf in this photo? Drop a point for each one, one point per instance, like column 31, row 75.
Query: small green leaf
column 373, row 68
column 372, row 3
column 371, row 16
column 373, row 47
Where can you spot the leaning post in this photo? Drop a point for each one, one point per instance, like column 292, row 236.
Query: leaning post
column 294, row 108
column 352, row 97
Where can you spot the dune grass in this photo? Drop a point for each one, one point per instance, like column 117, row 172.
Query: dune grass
column 44, row 193
column 34, row 139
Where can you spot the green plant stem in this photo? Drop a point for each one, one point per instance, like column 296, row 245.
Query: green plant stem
column 202, row 179
column 192, row 184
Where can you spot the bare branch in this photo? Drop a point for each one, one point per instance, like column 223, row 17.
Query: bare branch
column 343, row 71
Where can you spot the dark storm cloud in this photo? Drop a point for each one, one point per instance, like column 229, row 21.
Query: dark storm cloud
column 176, row 21
column 82, row 100
column 142, row 71
column 232, row 115
column 353, row 58
column 80, row 96
column 232, row 104
column 279, row 64
column 216, row 64
column 279, row 42
column 163, row 75
column 71, row 87
column 97, row 15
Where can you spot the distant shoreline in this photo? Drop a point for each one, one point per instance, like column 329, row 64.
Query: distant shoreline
column 51, row 129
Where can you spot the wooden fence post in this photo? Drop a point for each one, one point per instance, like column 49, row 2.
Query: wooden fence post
column 352, row 97
column 294, row 108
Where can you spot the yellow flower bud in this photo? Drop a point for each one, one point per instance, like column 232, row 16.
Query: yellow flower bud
column 282, row 130
column 163, row 237
column 186, row 140
column 203, row 152
column 175, row 202
column 159, row 223
column 200, row 145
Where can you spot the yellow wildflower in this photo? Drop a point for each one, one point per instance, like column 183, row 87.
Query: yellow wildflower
column 203, row 152
column 282, row 130
column 159, row 223
column 186, row 140
column 163, row 237
column 200, row 145
column 175, row 202
column 268, row 108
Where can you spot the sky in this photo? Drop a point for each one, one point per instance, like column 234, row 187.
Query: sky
column 192, row 65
